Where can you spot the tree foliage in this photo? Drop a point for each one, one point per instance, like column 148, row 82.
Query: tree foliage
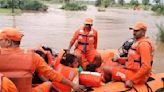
column 161, row 32
column 73, row 6
column 158, row 8
column 145, row 2
column 121, row 2
column 23, row 4
column 134, row 2
column 157, row 1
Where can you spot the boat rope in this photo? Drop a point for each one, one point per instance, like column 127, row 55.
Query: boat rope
column 163, row 81
column 130, row 89
column 148, row 87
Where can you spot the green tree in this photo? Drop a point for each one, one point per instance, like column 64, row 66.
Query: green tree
column 121, row 2
column 107, row 3
column 134, row 2
column 145, row 2
column 157, row 1
column 98, row 3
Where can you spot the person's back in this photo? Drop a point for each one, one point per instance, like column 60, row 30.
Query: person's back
column 20, row 64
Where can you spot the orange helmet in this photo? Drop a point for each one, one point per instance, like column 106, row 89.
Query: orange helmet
column 88, row 21
column 139, row 26
column 11, row 33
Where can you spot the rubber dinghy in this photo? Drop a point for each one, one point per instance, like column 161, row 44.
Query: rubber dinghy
column 155, row 84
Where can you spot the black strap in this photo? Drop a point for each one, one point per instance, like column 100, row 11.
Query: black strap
column 86, row 35
column 81, row 43
column 130, row 89
column 150, row 79
column 138, row 61
column 83, row 35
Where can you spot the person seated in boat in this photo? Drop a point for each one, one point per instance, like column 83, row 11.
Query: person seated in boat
column 71, row 60
column 11, row 66
column 138, row 67
column 97, row 61
column 85, row 39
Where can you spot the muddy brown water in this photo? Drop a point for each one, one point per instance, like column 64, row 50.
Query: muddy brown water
column 56, row 27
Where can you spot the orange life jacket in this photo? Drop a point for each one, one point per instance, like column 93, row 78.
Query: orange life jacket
column 1, row 81
column 90, row 78
column 86, row 39
column 17, row 66
column 68, row 73
column 134, row 58
column 58, row 58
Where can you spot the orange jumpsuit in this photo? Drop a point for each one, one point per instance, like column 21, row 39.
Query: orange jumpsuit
column 38, row 64
column 139, row 64
column 86, row 44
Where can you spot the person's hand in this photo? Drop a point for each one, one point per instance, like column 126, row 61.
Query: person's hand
column 79, row 88
column 129, row 83
column 115, row 58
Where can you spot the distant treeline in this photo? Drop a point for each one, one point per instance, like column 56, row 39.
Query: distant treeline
column 24, row 4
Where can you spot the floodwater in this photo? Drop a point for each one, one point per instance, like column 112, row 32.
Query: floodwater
column 56, row 27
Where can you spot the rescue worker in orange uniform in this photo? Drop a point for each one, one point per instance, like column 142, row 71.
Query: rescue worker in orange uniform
column 140, row 57
column 19, row 64
column 7, row 85
column 85, row 38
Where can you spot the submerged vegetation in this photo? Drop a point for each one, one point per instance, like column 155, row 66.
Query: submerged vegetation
column 73, row 6
column 161, row 32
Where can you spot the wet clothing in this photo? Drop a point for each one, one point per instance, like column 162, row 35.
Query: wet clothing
column 139, row 64
column 21, row 64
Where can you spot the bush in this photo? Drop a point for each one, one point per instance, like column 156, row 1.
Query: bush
column 161, row 32
column 146, row 7
column 134, row 2
column 9, row 4
column 121, row 2
column 32, row 5
column 73, row 6
column 159, row 9
column 145, row 2
column 23, row 4
column 107, row 3
column 98, row 3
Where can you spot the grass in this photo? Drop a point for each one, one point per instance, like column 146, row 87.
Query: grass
column 8, row 11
